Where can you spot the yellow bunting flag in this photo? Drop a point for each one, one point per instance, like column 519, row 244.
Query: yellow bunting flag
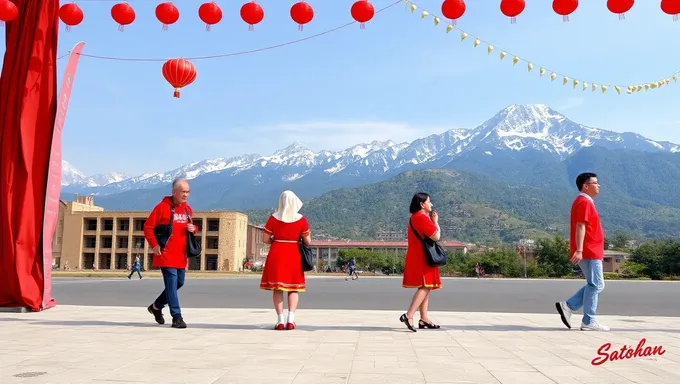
column 630, row 89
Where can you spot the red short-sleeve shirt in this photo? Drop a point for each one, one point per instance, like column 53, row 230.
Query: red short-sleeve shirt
column 583, row 211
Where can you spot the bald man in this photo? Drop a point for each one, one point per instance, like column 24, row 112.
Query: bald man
column 166, row 231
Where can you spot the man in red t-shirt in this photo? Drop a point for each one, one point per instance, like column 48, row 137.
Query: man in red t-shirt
column 171, row 257
column 586, row 247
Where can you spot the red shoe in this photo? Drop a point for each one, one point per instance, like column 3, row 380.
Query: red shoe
column 279, row 326
column 290, row 326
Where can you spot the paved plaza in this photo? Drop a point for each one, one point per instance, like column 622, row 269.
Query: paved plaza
column 72, row 344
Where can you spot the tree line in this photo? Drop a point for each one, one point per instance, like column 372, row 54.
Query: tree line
column 659, row 259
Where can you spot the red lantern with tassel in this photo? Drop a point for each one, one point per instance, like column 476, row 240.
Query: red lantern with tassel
column 8, row 11
column 210, row 13
column 167, row 14
column 671, row 7
column 179, row 73
column 453, row 10
column 71, row 15
column 123, row 14
column 512, row 9
column 301, row 13
column 252, row 14
column 620, row 7
column 362, row 11
column 565, row 8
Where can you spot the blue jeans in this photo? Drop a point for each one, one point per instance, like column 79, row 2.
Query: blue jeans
column 174, row 280
column 587, row 296
column 132, row 272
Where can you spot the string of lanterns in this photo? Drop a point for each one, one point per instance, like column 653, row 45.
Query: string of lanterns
column 448, row 12
column 302, row 13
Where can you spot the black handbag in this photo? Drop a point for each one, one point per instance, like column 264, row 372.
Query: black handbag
column 434, row 253
column 162, row 232
column 193, row 245
column 307, row 256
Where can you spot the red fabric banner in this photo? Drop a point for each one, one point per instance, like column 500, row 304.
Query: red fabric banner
column 54, row 174
column 28, row 104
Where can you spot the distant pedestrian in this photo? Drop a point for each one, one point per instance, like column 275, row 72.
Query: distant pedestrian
column 170, row 252
column 136, row 267
column 283, row 271
column 586, row 246
column 417, row 272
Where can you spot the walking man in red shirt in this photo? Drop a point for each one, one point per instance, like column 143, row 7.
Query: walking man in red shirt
column 166, row 231
column 586, row 243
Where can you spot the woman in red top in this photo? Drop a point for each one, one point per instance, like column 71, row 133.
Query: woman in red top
column 283, row 267
column 417, row 272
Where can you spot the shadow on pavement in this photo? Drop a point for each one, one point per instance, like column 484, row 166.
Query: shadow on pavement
column 312, row 328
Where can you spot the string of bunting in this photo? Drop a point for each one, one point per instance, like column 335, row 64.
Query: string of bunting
column 585, row 85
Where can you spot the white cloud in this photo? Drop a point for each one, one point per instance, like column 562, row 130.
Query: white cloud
column 316, row 135
column 570, row 103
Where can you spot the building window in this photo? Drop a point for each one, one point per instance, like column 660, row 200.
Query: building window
column 90, row 242
column 108, row 225
column 123, row 224
column 90, row 224
column 139, row 224
column 212, row 243
column 107, row 242
column 213, row 225
column 618, row 259
column 58, row 240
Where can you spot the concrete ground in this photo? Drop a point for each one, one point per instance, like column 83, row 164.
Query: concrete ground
column 109, row 344
column 628, row 298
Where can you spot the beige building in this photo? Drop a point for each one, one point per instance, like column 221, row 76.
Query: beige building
column 88, row 237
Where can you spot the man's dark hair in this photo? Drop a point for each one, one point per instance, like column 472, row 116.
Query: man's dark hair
column 583, row 178
column 418, row 198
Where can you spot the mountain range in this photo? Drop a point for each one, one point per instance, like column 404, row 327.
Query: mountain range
column 521, row 144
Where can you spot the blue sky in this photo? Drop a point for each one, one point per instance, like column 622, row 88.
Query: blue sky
column 401, row 78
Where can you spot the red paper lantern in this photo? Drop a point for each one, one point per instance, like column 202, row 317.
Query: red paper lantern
column 71, row 15
column 453, row 10
column 167, row 14
column 301, row 13
column 671, row 7
column 620, row 7
column 252, row 14
column 210, row 13
column 8, row 11
column 123, row 14
column 362, row 11
column 179, row 73
column 565, row 8
column 512, row 9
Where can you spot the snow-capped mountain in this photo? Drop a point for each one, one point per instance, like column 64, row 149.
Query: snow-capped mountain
column 70, row 175
column 522, row 130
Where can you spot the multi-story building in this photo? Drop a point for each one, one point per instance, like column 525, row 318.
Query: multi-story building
column 88, row 237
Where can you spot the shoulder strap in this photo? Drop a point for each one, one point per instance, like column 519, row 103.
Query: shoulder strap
column 186, row 210
column 414, row 230
column 172, row 214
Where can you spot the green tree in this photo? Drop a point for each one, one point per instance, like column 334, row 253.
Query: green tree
column 552, row 256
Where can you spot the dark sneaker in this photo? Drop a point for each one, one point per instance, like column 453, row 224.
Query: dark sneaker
column 157, row 314
column 178, row 322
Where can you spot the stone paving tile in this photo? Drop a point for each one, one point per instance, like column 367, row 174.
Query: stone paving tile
column 71, row 344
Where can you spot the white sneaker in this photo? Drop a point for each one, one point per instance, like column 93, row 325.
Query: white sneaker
column 565, row 313
column 594, row 326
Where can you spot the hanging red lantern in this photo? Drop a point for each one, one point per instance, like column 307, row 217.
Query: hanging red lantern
column 512, row 9
column 123, row 14
column 671, row 7
column 167, row 14
column 252, row 14
column 620, row 7
column 179, row 73
column 71, row 15
column 210, row 13
column 565, row 8
column 301, row 13
column 453, row 10
column 8, row 11
column 362, row 11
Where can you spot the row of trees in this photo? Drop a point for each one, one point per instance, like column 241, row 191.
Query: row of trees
column 655, row 260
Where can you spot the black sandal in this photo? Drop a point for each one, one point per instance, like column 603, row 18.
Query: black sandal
column 406, row 321
column 426, row 324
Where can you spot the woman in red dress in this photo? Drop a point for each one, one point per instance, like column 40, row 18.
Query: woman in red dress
column 283, row 267
column 417, row 272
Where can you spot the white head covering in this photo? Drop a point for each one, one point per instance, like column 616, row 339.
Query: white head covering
column 289, row 205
